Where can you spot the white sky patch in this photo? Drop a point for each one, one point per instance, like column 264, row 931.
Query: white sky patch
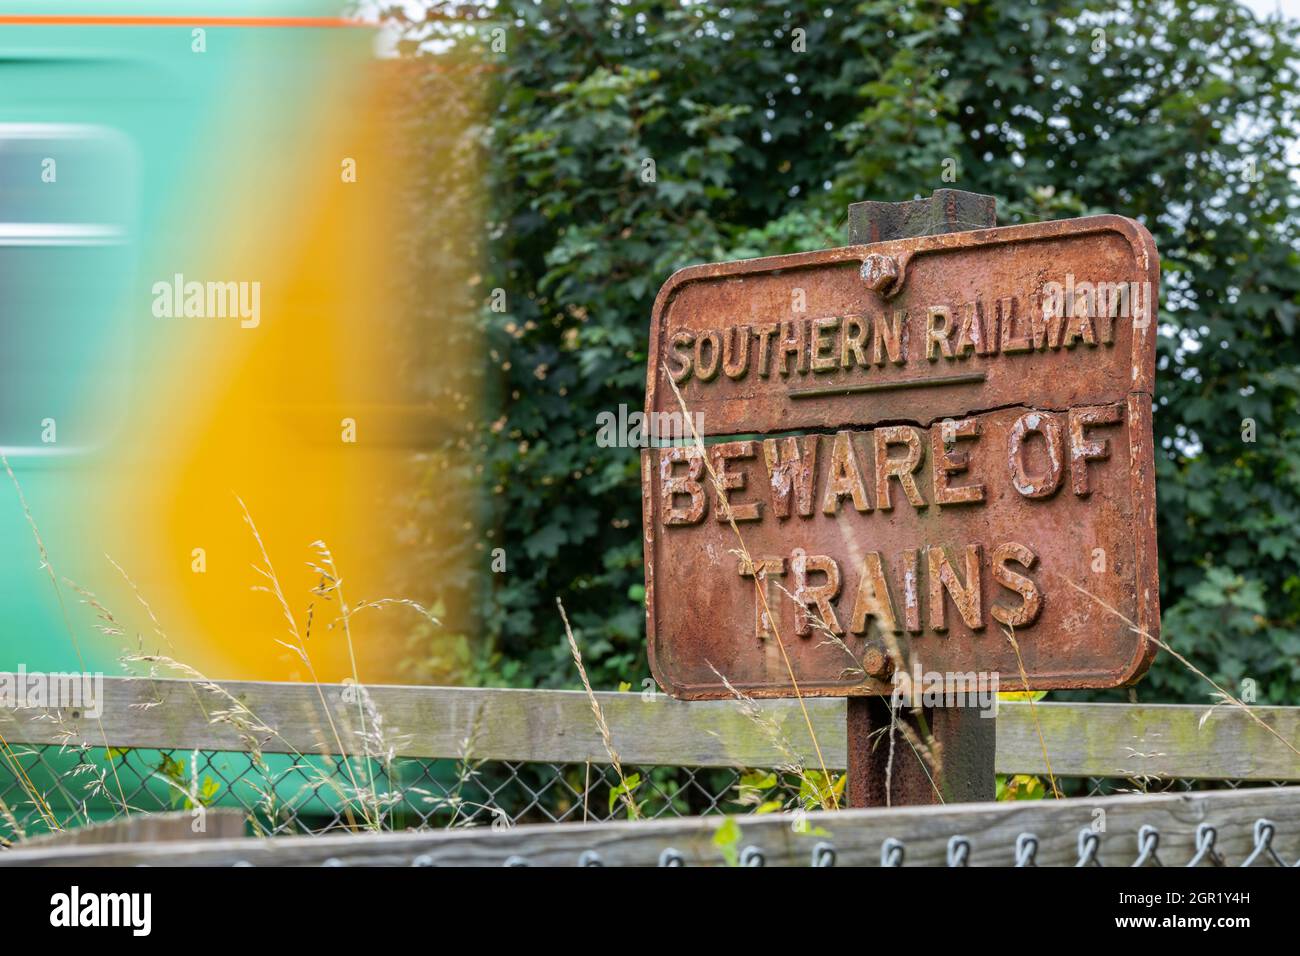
column 1264, row 8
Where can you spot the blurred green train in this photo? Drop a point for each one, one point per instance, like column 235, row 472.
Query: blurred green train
column 125, row 129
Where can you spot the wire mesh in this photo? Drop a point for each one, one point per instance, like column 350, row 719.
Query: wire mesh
column 46, row 788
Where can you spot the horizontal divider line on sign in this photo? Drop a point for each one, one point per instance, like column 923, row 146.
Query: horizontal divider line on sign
column 969, row 378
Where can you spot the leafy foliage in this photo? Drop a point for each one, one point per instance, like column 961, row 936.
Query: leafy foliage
column 1019, row 787
column 1175, row 112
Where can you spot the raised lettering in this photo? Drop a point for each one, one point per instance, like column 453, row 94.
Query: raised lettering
column 891, row 337
column 791, row 469
column 682, row 342
column 820, row 596
column 1046, row 425
column 845, row 477
column 735, row 351
column 873, row 598
column 936, row 331
column 823, row 345
column 900, row 468
column 851, row 341
column 675, row 485
column 948, row 461
column 966, row 596
column 1031, row 601
column 1084, row 450
column 729, row 481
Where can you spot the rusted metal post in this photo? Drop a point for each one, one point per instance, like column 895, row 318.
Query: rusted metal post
column 965, row 740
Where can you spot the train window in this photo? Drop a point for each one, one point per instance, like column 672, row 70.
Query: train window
column 67, row 199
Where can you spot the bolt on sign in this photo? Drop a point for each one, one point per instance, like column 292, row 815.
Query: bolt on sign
column 925, row 444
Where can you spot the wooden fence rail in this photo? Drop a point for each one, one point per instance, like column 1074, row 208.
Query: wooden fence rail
column 1040, row 832
column 1080, row 740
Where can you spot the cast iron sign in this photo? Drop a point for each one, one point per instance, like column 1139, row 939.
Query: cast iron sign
column 929, row 444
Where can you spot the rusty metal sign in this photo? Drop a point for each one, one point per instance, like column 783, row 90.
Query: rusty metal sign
column 928, row 445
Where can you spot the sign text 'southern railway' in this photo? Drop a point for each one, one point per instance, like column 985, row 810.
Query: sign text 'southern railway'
column 925, row 444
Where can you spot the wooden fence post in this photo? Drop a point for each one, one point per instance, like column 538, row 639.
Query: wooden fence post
column 963, row 741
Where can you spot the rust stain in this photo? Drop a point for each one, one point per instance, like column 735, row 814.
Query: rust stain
column 972, row 431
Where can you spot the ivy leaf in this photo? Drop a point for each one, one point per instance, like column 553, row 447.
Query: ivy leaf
column 727, row 839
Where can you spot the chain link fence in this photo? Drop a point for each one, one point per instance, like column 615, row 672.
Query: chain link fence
column 48, row 787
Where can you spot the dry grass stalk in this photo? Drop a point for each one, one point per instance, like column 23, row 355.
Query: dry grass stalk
column 298, row 647
column 825, row 789
column 926, row 748
column 605, row 736
column 759, row 589
column 253, row 732
column 467, row 770
column 36, row 798
column 769, row 727
column 378, row 746
column 1033, row 710
column 63, row 608
column 1223, row 694
column 329, row 587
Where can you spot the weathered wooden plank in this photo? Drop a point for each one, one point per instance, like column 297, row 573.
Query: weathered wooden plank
column 175, row 826
column 1151, row 740
column 557, row 727
column 494, row 724
column 992, row 830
